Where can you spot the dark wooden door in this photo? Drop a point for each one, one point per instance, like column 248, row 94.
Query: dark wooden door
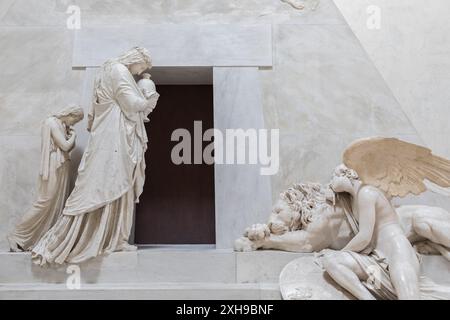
column 177, row 205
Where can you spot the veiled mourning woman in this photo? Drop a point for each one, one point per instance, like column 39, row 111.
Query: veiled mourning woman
column 98, row 214
column 57, row 140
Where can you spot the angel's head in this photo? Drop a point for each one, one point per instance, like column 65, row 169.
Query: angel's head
column 344, row 179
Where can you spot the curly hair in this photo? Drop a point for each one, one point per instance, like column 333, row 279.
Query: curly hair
column 343, row 171
column 304, row 199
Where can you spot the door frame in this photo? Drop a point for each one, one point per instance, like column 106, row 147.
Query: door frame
column 237, row 54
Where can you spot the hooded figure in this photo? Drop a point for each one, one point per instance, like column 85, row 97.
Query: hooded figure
column 57, row 140
column 98, row 214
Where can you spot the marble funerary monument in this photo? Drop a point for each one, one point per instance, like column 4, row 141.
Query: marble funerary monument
column 293, row 66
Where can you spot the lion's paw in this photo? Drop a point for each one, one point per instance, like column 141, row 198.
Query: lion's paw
column 244, row 244
column 257, row 232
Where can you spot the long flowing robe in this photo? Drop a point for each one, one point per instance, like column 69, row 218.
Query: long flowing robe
column 98, row 215
column 53, row 189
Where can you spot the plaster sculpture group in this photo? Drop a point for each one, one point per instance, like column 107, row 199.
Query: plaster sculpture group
column 354, row 227
column 351, row 223
column 97, row 216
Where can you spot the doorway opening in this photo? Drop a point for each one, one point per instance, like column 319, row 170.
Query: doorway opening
column 177, row 205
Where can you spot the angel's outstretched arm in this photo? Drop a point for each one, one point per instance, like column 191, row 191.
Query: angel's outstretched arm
column 366, row 207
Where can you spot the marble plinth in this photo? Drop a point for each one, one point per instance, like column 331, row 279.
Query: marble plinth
column 167, row 273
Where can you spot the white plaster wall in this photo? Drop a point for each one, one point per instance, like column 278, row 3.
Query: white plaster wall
column 322, row 91
column 412, row 52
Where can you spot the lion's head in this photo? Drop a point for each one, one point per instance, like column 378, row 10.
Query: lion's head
column 296, row 207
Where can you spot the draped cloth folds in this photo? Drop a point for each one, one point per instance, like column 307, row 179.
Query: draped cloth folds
column 98, row 213
column 52, row 192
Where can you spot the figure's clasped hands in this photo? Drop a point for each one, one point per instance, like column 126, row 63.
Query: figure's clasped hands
column 72, row 133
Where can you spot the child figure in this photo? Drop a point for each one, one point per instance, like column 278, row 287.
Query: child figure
column 148, row 89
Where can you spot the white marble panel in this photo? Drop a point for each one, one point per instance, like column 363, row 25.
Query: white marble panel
column 411, row 50
column 177, row 273
column 308, row 158
column 114, row 12
column 143, row 266
column 326, row 84
column 263, row 266
column 243, row 196
column 189, row 45
column 137, row 291
column 36, row 78
column 313, row 157
column 187, row 266
column 36, row 60
column 322, row 93
column 5, row 5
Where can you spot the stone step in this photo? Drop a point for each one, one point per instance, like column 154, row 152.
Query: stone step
column 139, row 291
column 176, row 265
column 156, row 265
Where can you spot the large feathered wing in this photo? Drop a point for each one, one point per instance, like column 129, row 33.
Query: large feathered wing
column 395, row 166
